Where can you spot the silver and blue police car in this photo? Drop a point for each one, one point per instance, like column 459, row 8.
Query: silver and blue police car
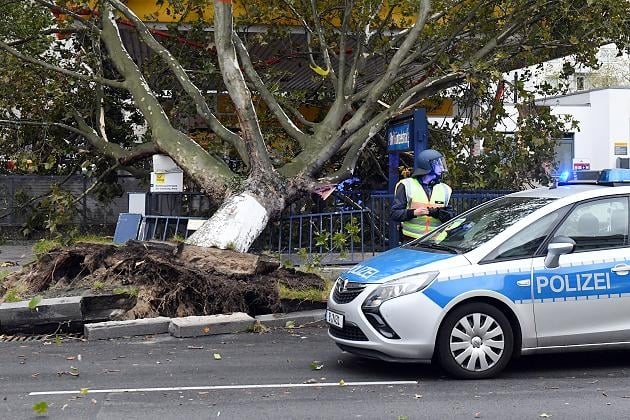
column 535, row 271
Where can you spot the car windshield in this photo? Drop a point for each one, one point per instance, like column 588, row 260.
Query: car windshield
column 479, row 225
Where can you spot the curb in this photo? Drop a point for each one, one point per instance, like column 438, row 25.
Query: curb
column 17, row 316
column 198, row 326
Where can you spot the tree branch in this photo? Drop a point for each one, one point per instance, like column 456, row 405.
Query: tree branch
column 391, row 72
column 112, row 83
column 182, row 77
column 292, row 130
column 237, row 88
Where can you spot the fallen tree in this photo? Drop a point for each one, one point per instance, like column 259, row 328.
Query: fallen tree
column 371, row 61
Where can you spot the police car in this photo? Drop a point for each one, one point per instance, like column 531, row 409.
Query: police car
column 536, row 271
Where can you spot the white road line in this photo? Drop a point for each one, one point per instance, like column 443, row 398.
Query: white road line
column 220, row 387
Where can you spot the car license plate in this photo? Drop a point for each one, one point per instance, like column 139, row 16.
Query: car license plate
column 333, row 318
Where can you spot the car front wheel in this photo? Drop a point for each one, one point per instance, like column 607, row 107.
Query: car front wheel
column 475, row 341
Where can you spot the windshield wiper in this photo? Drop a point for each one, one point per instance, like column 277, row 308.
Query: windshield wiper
column 449, row 249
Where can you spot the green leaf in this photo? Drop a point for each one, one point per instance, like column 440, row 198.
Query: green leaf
column 41, row 407
column 33, row 303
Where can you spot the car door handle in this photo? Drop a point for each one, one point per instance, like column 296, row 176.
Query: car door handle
column 621, row 269
column 524, row 283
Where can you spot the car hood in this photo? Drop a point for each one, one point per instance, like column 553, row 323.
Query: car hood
column 397, row 260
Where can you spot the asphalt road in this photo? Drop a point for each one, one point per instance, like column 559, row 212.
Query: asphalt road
column 271, row 376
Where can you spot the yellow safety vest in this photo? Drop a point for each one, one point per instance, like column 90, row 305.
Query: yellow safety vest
column 421, row 225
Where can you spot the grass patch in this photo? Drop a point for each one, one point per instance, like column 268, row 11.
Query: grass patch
column 130, row 291
column 3, row 275
column 43, row 246
column 312, row 293
column 12, row 295
column 94, row 239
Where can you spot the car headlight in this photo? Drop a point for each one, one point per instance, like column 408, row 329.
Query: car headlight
column 399, row 287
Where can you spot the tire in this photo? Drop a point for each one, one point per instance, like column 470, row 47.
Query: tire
column 475, row 341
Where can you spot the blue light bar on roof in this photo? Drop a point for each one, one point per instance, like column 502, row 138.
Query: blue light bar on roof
column 614, row 175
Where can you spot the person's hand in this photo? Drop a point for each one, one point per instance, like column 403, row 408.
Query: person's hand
column 420, row 211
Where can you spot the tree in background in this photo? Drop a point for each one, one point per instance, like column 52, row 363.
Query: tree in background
column 368, row 61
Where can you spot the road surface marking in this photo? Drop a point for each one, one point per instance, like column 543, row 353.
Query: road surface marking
column 221, row 387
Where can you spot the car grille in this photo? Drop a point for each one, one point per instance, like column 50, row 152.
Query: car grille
column 349, row 332
column 346, row 292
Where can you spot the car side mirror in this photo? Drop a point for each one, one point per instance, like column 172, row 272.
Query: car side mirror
column 559, row 245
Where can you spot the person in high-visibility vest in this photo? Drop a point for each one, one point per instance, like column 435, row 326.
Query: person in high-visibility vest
column 421, row 202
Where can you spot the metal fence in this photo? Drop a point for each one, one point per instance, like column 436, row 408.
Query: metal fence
column 296, row 236
column 19, row 192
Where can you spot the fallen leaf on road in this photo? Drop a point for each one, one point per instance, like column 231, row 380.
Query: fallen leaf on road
column 71, row 357
column 217, row 356
column 477, row 415
column 342, row 383
column 259, row 328
column 545, row 415
column 94, row 401
column 290, row 324
column 310, row 381
column 83, row 391
column 316, row 365
column 40, row 407
column 35, row 375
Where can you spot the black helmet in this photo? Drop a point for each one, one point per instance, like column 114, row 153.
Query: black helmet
column 426, row 162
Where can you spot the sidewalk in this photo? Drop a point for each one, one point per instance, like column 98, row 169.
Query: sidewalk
column 17, row 253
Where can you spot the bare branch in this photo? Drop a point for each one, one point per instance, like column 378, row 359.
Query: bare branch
column 391, row 72
column 182, row 77
column 237, row 88
column 323, row 45
column 347, row 12
column 273, row 105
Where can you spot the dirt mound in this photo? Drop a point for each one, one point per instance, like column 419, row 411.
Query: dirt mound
column 166, row 279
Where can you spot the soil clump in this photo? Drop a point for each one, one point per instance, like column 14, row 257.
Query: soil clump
column 166, row 279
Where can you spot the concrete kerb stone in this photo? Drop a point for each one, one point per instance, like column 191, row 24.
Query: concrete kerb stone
column 294, row 319
column 196, row 326
column 134, row 327
column 18, row 314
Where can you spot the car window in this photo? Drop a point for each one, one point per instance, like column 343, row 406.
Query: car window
column 597, row 224
column 479, row 225
column 525, row 243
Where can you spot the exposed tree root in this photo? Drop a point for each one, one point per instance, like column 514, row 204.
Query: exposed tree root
column 169, row 280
